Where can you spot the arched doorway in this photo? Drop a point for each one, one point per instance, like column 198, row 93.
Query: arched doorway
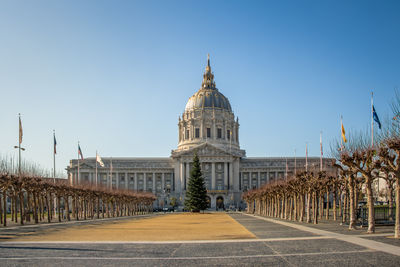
column 208, row 202
column 220, row 203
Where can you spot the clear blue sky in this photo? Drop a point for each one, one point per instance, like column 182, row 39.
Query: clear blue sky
column 116, row 75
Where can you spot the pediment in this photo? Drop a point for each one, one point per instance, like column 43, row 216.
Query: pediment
column 203, row 150
column 84, row 165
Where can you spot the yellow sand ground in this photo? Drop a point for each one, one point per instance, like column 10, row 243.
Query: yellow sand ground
column 186, row 226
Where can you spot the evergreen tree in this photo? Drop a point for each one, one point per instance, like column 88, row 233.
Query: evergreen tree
column 196, row 194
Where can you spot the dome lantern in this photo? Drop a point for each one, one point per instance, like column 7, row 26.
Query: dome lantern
column 208, row 96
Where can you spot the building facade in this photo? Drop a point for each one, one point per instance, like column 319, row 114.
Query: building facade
column 209, row 128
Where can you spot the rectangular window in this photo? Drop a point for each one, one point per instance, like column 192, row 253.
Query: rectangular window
column 219, row 133
column 187, row 134
column 208, row 132
column 197, row 133
column 228, row 134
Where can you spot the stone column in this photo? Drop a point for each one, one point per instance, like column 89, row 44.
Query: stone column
column 117, row 180
column 182, row 176
column 176, row 178
column 213, row 176
column 231, row 180
column 135, row 181
column 154, row 183
column 235, row 174
column 144, row 181
column 201, row 128
column 258, row 180
column 163, row 182
column 187, row 175
column 110, row 180
column 225, row 176
column 126, row 180
column 241, row 181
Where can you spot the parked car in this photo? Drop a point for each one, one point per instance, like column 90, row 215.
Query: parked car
column 168, row 209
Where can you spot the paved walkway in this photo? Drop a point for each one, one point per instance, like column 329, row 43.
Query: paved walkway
column 279, row 243
column 370, row 244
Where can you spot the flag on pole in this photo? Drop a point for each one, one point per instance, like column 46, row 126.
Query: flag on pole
column 98, row 159
column 376, row 118
column 80, row 151
column 320, row 142
column 20, row 130
column 55, row 144
column 343, row 134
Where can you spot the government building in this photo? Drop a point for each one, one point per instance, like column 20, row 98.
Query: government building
column 207, row 126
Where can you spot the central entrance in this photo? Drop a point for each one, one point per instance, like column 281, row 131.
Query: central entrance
column 220, row 203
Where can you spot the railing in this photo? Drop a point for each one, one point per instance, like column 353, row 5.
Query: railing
column 383, row 215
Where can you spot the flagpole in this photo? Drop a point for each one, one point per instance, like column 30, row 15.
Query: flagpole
column 78, row 165
column 341, row 138
column 372, row 119
column 111, row 173
column 320, row 142
column 19, row 144
column 286, row 170
column 54, row 171
column 54, row 157
column 96, row 165
column 306, row 157
column 295, row 162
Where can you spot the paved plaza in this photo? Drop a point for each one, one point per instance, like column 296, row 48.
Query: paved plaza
column 276, row 243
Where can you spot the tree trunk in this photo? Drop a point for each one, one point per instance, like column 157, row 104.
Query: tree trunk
column 397, row 216
column 321, row 205
column 102, row 209
column 21, row 206
column 371, row 209
column 35, row 208
column 352, row 223
column 40, row 206
column 345, row 207
column 327, row 205
column 66, row 202
column 309, row 207
column 390, row 198
column 98, row 207
column 15, row 208
column 334, row 204
column 5, row 207
column 58, row 207
column 301, row 206
column 315, row 208
column 73, row 207
column 48, row 208
column 341, row 204
column 28, row 207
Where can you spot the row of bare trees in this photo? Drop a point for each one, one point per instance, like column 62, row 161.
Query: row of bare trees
column 26, row 197
column 359, row 163
column 299, row 197
column 305, row 193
